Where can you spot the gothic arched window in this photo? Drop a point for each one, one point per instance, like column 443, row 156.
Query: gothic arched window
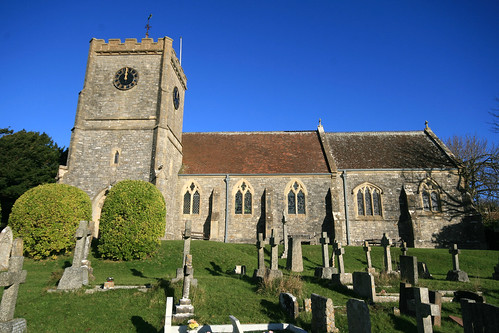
column 191, row 199
column 243, row 199
column 296, row 198
column 430, row 196
column 368, row 200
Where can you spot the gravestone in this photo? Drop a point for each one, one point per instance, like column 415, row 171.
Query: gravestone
column 187, row 250
column 307, row 304
column 284, row 234
column 325, row 271
column 403, row 248
column 6, row 239
column 495, row 275
column 409, row 269
column 11, row 281
column 341, row 277
column 185, row 309
column 295, row 259
column 363, row 285
column 424, row 310
column 274, row 271
column 367, row 250
column 261, row 270
column 423, row 271
column 77, row 275
column 359, row 320
column 436, row 298
column 240, row 270
column 322, row 315
column 479, row 317
column 456, row 274
column 406, row 297
column 386, row 243
column 289, row 305
column 459, row 294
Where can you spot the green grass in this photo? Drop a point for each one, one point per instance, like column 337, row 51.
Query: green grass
column 220, row 293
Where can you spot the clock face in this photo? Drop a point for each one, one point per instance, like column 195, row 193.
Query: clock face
column 126, row 78
column 176, row 98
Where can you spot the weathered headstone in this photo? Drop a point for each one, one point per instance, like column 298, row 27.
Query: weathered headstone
column 240, row 270
column 423, row 271
column 479, row 317
column 341, row 277
column 406, row 297
column 367, row 250
column 284, row 234
column 363, row 285
column 359, row 320
column 295, row 259
column 424, row 310
column 307, row 304
column 409, row 269
column 289, row 305
column 386, row 243
column 185, row 309
column 11, row 281
column 436, row 298
column 459, row 294
column 456, row 274
column 274, row 271
column 322, row 315
column 6, row 239
column 77, row 275
column 325, row 272
column 260, row 245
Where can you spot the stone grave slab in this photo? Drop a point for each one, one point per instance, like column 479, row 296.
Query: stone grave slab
column 289, row 304
column 409, row 269
column 359, row 320
column 363, row 285
column 322, row 315
column 6, row 239
column 295, row 258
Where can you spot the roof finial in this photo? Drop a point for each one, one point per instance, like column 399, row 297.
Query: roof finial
column 148, row 26
column 320, row 122
column 426, row 124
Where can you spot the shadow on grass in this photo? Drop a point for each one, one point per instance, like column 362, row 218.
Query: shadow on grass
column 67, row 264
column 273, row 311
column 143, row 326
column 402, row 324
column 137, row 273
column 313, row 263
column 216, row 270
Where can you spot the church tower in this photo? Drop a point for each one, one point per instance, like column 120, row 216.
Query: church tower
column 128, row 121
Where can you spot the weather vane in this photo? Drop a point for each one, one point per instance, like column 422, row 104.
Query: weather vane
column 148, row 26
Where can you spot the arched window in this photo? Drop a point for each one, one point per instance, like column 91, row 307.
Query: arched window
column 243, row 199
column 368, row 200
column 191, row 199
column 296, row 198
column 115, row 156
column 430, row 196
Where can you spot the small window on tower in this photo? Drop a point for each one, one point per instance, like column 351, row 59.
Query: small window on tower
column 116, row 157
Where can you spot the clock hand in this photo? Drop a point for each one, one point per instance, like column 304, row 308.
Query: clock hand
column 126, row 73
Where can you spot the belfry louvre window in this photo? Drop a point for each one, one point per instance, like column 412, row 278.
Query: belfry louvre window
column 430, row 197
column 368, row 201
column 191, row 199
column 243, row 199
column 296, row 198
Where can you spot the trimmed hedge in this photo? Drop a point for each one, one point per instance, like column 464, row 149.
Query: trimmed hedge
column 47, row 216
column 132, row 221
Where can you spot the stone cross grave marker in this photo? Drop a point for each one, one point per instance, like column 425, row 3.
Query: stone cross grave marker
column 386, row 243
column 185, row 309
column 403, row 248
column 325, row 249
column 295, row 259
column 409, row 269
column 424, row 310
column 359, row 320
column 260, row 245
column 6, row 239
column 77, row 275
column 339, row 251
column 367, row 250
column 11, row 281
column 187, row 250
column 284, row 234
column 341, row 277
column 322, row 315
column 456, row 274
column 333, row 257
column 274, row 257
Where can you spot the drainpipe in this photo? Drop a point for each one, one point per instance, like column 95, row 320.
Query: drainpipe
column 227, row 180
column 345, row 198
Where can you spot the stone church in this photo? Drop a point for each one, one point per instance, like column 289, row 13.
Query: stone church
column 231, row 185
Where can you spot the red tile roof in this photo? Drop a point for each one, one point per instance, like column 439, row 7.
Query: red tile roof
column 253, row 153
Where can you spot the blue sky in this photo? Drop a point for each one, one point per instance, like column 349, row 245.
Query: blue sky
column 269, row 65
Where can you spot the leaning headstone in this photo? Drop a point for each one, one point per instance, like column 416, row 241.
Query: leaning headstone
column 185, row 309
column 325, row 272
column 367, row 250
column 260, row 245
column 409, row 269
column 295, row 259
column 322, row 315
column 289, row 305
column 77, row 275
column 284, row 235
column 11, row 281
column 363, row 285
column 479, row 317
column 456, row 274
column 341, row 277
column 236, row 325
column 386, row 243
column 6, row 239
column 359, row 320
column 424, row 310
column 423, row 271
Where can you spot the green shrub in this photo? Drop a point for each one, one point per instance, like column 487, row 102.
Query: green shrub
column 47, row 216
column 132, row 221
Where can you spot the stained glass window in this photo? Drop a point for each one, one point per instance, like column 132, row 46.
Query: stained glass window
column 296, row 199
column 368, row 201
column 243, row 201
column 195, row 203
column 435, row 205
column 187, row 203
column 247, row 203
column 291, row 203
column 239, row 203
column 360, row 203
column 426, row 200
column 301, row 202
column 376, row 202
column 192, row 199
column 430, row 196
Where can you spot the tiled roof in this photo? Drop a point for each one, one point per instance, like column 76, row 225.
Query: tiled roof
column 386, row 150
column 252, row 153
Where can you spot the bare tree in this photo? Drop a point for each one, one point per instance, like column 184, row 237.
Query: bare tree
column 495, row 118
column 479, row 167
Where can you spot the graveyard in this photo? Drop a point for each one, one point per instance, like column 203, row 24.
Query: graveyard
column 137, row 302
